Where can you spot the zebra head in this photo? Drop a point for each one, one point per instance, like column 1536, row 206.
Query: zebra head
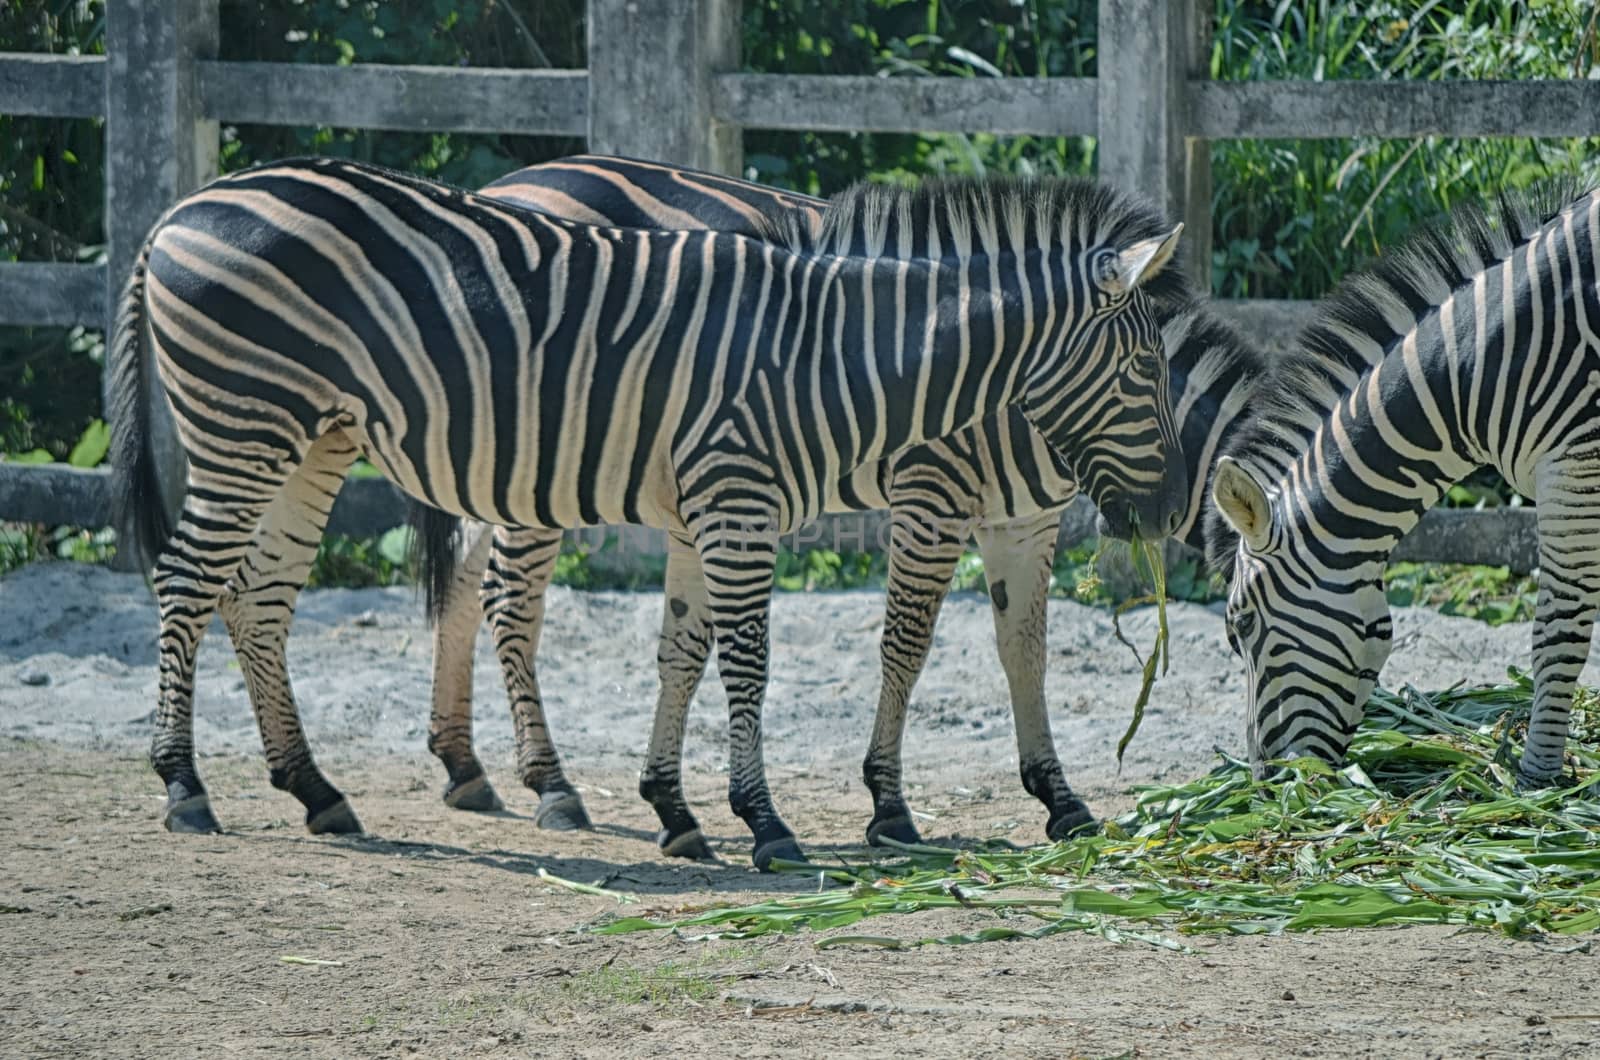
column 1312, row 629
column 1108, row 409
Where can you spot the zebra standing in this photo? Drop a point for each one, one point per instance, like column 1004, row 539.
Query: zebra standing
column 998, row 478
column 1486, row 334
column 523, row 370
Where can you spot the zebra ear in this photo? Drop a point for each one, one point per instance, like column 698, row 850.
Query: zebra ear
column 1126, row 269
column 1242, row 502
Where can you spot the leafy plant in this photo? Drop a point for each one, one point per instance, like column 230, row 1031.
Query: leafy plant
column 821, row 568
column 1423, row 826
column 922, row 38
column 1291, row 217
column 358, row 563
column 584, row 566
column 1490, row 594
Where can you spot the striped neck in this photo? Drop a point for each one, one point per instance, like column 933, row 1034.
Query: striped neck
column 1493, row 375
column 1384, row 455
column 1460, row 348
column 1214, row 371
column 947, row 344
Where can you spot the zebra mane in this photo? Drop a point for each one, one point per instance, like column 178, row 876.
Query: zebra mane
column 968, row 216
column 1367, row 313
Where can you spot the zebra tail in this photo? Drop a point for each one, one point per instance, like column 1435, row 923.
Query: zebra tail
column 435, row 552
column 137, row 501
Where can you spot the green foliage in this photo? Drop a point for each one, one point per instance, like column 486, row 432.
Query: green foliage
column 89, row 450
column 22, row 543
column 583, row 566
column 92, row 446
column 923, row 38
column 1490, row 594
column 821, row 568
column 52, row 170
column 51, row 198
column 1077, row 574
column 508, row 33
column 51, row 202
column 1423, row 826
column 1291, row 217
column 362, row 562
column 19, row 544
column 971, row 575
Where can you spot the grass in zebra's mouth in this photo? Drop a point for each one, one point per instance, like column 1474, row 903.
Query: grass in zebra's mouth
column 1146, row 557
column 1422, row 826
column 1153, row 553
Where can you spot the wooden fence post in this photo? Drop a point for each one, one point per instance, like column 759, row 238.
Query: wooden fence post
column 158, row 148
column 1148, row 51
column 651, row 64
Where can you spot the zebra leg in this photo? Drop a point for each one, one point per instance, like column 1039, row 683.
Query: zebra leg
column 455, row 635
column 1569, row 594
column 258, row 608
column 680, row 659
column 212, row 535
column 923, row 553
column 738, row 562
column 520, row 567
column 1017, row 559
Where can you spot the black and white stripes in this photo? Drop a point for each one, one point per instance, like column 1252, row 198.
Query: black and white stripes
column 1483, row 337
column 998, row 481
column 523, row 370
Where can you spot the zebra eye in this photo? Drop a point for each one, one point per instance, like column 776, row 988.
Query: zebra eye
column 1243, row 624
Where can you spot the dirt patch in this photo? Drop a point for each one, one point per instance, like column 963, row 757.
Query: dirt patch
column 443, row 940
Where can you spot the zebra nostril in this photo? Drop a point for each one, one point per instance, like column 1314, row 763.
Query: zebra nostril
column 1173, row 519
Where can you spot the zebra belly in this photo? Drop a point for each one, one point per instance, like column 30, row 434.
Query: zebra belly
column 572, row 493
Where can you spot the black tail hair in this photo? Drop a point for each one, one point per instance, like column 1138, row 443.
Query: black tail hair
column 435, row 552
column 137, row 501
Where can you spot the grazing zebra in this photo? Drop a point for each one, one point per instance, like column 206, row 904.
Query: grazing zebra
column 1486, row 335
column 1011, row 494
column 520, row 369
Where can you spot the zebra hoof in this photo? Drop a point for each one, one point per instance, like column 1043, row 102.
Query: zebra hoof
column 1073, row 821
column 1530, row 782
column 338, row 819
column 691, row 845
column 562, row 811
column 476, row 795
column 784, row 848
column 898, row 828
column 191, row 816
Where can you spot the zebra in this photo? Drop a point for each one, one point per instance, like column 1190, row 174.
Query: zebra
column 521, row 369
column 1010, row 494
column 998, row 479
column 1483, row 339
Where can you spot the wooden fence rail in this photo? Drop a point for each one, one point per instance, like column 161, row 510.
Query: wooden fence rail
column 162, row 93
column 366, row 507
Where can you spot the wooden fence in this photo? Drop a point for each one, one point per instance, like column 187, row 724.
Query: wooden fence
column 163, row 94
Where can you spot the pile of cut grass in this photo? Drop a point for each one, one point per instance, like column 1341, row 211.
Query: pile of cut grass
column 1422, row 826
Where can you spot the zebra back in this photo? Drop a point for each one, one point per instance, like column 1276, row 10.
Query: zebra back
column 1003, row 460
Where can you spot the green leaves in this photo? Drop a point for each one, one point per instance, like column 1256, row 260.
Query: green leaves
column 1489, row 594
column 1153, row 555
column 92, row 445
column 1421, row 827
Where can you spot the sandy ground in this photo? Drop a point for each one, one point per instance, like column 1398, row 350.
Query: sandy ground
column 120, row 940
